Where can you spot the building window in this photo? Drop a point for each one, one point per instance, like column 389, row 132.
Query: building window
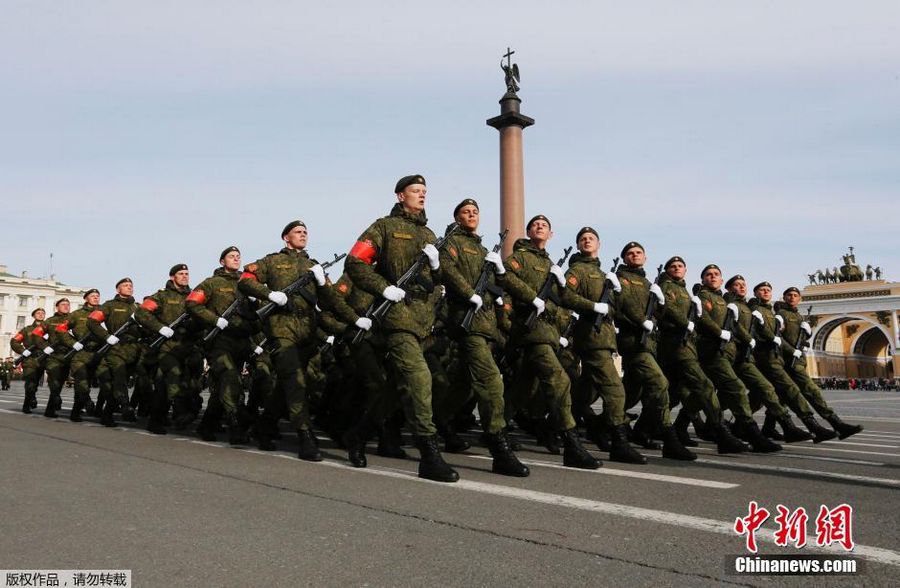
column 42, row 301
column 23, row 301
column 20, row 323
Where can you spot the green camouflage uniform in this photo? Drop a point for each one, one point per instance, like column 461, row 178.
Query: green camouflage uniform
column 57, row 364
column 121, row 359
column 32, row 366
column 790, row 335
column 82, row 365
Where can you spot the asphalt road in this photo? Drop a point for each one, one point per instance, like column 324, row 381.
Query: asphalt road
column 181, row 512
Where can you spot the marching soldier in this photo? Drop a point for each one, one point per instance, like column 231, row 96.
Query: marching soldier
column 30, row 343
column 795, row 359
column 83, row 345
column 595, row 346
column 6, row 370
column 527, row 269
column 291, row 330
column 57, row 364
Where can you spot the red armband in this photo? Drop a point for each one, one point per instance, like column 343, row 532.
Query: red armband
column 38, row 331
column 364, row 251
column 198, row 296
column 249, row 276
column 62, row 327
column 19, row 337
column 98, row 316
column 149, row 304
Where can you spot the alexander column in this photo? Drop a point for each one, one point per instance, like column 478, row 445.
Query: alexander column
column 511, row 123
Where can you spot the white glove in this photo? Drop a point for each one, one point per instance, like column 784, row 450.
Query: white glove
column 575, row 315
column 648, row 325
column 46, row 336
column 752, row 343
column 394, row 294
column 758, row 316
column 330, row 339
column 725, row 336
column 279, row 298
column 734, row 310
column 780, row 320
column 690, row 326
column 657, row 291
column 477, row 301
column 364, row 323
column 498, row 301
column 318, row 273
column 560, row 275
column 614, row 280
column 166, row 332
column 495, row 259
column 798, row 354
column 48, row 350
column 258, row 350
column 221, row 323
column 805, row 326
column 112, row 340
column 77, row 346
column 601, row 308
column 26, row 353
column 698, row 303
column 563, row 342
column 434, row 259
column 777, row 341
column 539, row 305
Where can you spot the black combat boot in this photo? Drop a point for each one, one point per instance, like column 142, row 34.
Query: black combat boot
column 819, row 432
column 309, row 446
column 681, row 425
column 621, row 450
column 128, row 414
column 355, row 440
column 50, row 411
column 237, row 434
column 756, row 439
column 726, row 442
column 792, row 433
column 505, row 461
column 769, row 429
column 262, row 430
column 156, row 426
column 843, row 429
column 453, row 443
column 672, row 447
column 431, row 465
column 390, row 442
column 75, row 414
column 599, row 432
column 705, row 431
column 27, row 404
column 642, row 431
column 546, row 435
column 107, row 419
column 576, row 456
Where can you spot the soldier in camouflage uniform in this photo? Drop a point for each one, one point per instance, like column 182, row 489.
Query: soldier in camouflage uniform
column 6, row 370
column 120, row 361
column 384, row 251
column 30, row 343
column 644, row 379
column 78, row 338
column 795, row 360
column 57, row 364
column 291, row 330
column 717, row 352
column 760, row 390
column 595, row 345
column 527, row 270
column 767, row 354
column 462, row 262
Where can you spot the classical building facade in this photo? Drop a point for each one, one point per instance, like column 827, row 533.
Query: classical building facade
column 20, row 295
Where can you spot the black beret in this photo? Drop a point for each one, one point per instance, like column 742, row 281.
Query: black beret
column 120, row 282
column 673, row 259
column 291, row 226
column 761, row 285
column 37, row 310
column 177, row 268
column 407, row 181
column 89, row 292
column 709, row 267
column 631, row 245
column 228, row 250
column 586, row 230
column 733, row 279
column 791, row 289
column 465, row 202
column 537, row 218
column 60, row 301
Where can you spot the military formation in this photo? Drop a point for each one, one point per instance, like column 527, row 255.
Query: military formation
column 420, row 332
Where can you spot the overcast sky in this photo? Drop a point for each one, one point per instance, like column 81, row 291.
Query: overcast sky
column 762, row 136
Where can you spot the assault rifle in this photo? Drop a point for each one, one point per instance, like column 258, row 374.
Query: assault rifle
column 482, row 282
column 296, row 285
column 174, row 325
column 651, row 307
column 728, row 325
column 547, row 288
column 692, row 314
column 802, row 338
column 232, row 308
column 121, row 330
column 378, row 309
column 606, row 295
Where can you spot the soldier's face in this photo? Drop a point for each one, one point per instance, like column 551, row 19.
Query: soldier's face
column 39, row 315
column 792, row 298
column 468, row 218
column 739, row 288
column 540, row 232
column 712, row 279
column 412, row 198
column 93, row 299
column 125, row 289
column 64, row 307
column 232, row 261
column 676, row 270
column 764, row 293
column 635, row 257
column 589, row 244
column 296, row 238
column 181, row 278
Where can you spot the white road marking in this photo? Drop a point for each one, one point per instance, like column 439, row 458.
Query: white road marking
column 832, row 444
column 712, row 451
column 814, row 473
